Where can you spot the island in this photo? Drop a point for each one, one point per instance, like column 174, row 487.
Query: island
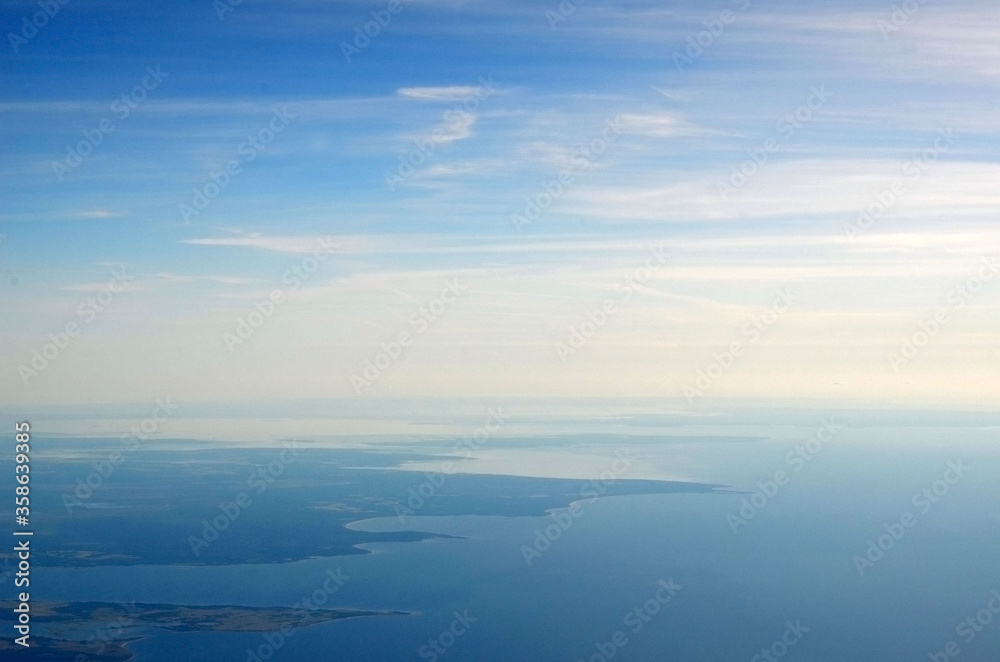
column 127, row 619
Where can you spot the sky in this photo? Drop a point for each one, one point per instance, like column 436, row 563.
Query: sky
column 258, row 201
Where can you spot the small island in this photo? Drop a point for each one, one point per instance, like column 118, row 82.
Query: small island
column 65, row 650
column 131, row 617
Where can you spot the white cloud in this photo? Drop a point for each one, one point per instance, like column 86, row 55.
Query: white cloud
column 458, row 128
column 98, row 214
column 802, row 189
column 297, row 244
column 660, row 125
column 453, row 93
column 222, row 280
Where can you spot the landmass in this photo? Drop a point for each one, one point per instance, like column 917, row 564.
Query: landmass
column 186, row 618
column 304, row 498
column 42, row 649
column 103, row 618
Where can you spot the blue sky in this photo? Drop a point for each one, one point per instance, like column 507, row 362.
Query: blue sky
column 827, row 106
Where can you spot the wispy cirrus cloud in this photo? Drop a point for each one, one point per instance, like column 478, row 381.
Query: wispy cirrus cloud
column 99, row 214
column 681, row 133
column 285, row 244
column 222, row 280
column 458, row 128
column 450, row 93
column 803, row 189
column 657, row 125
